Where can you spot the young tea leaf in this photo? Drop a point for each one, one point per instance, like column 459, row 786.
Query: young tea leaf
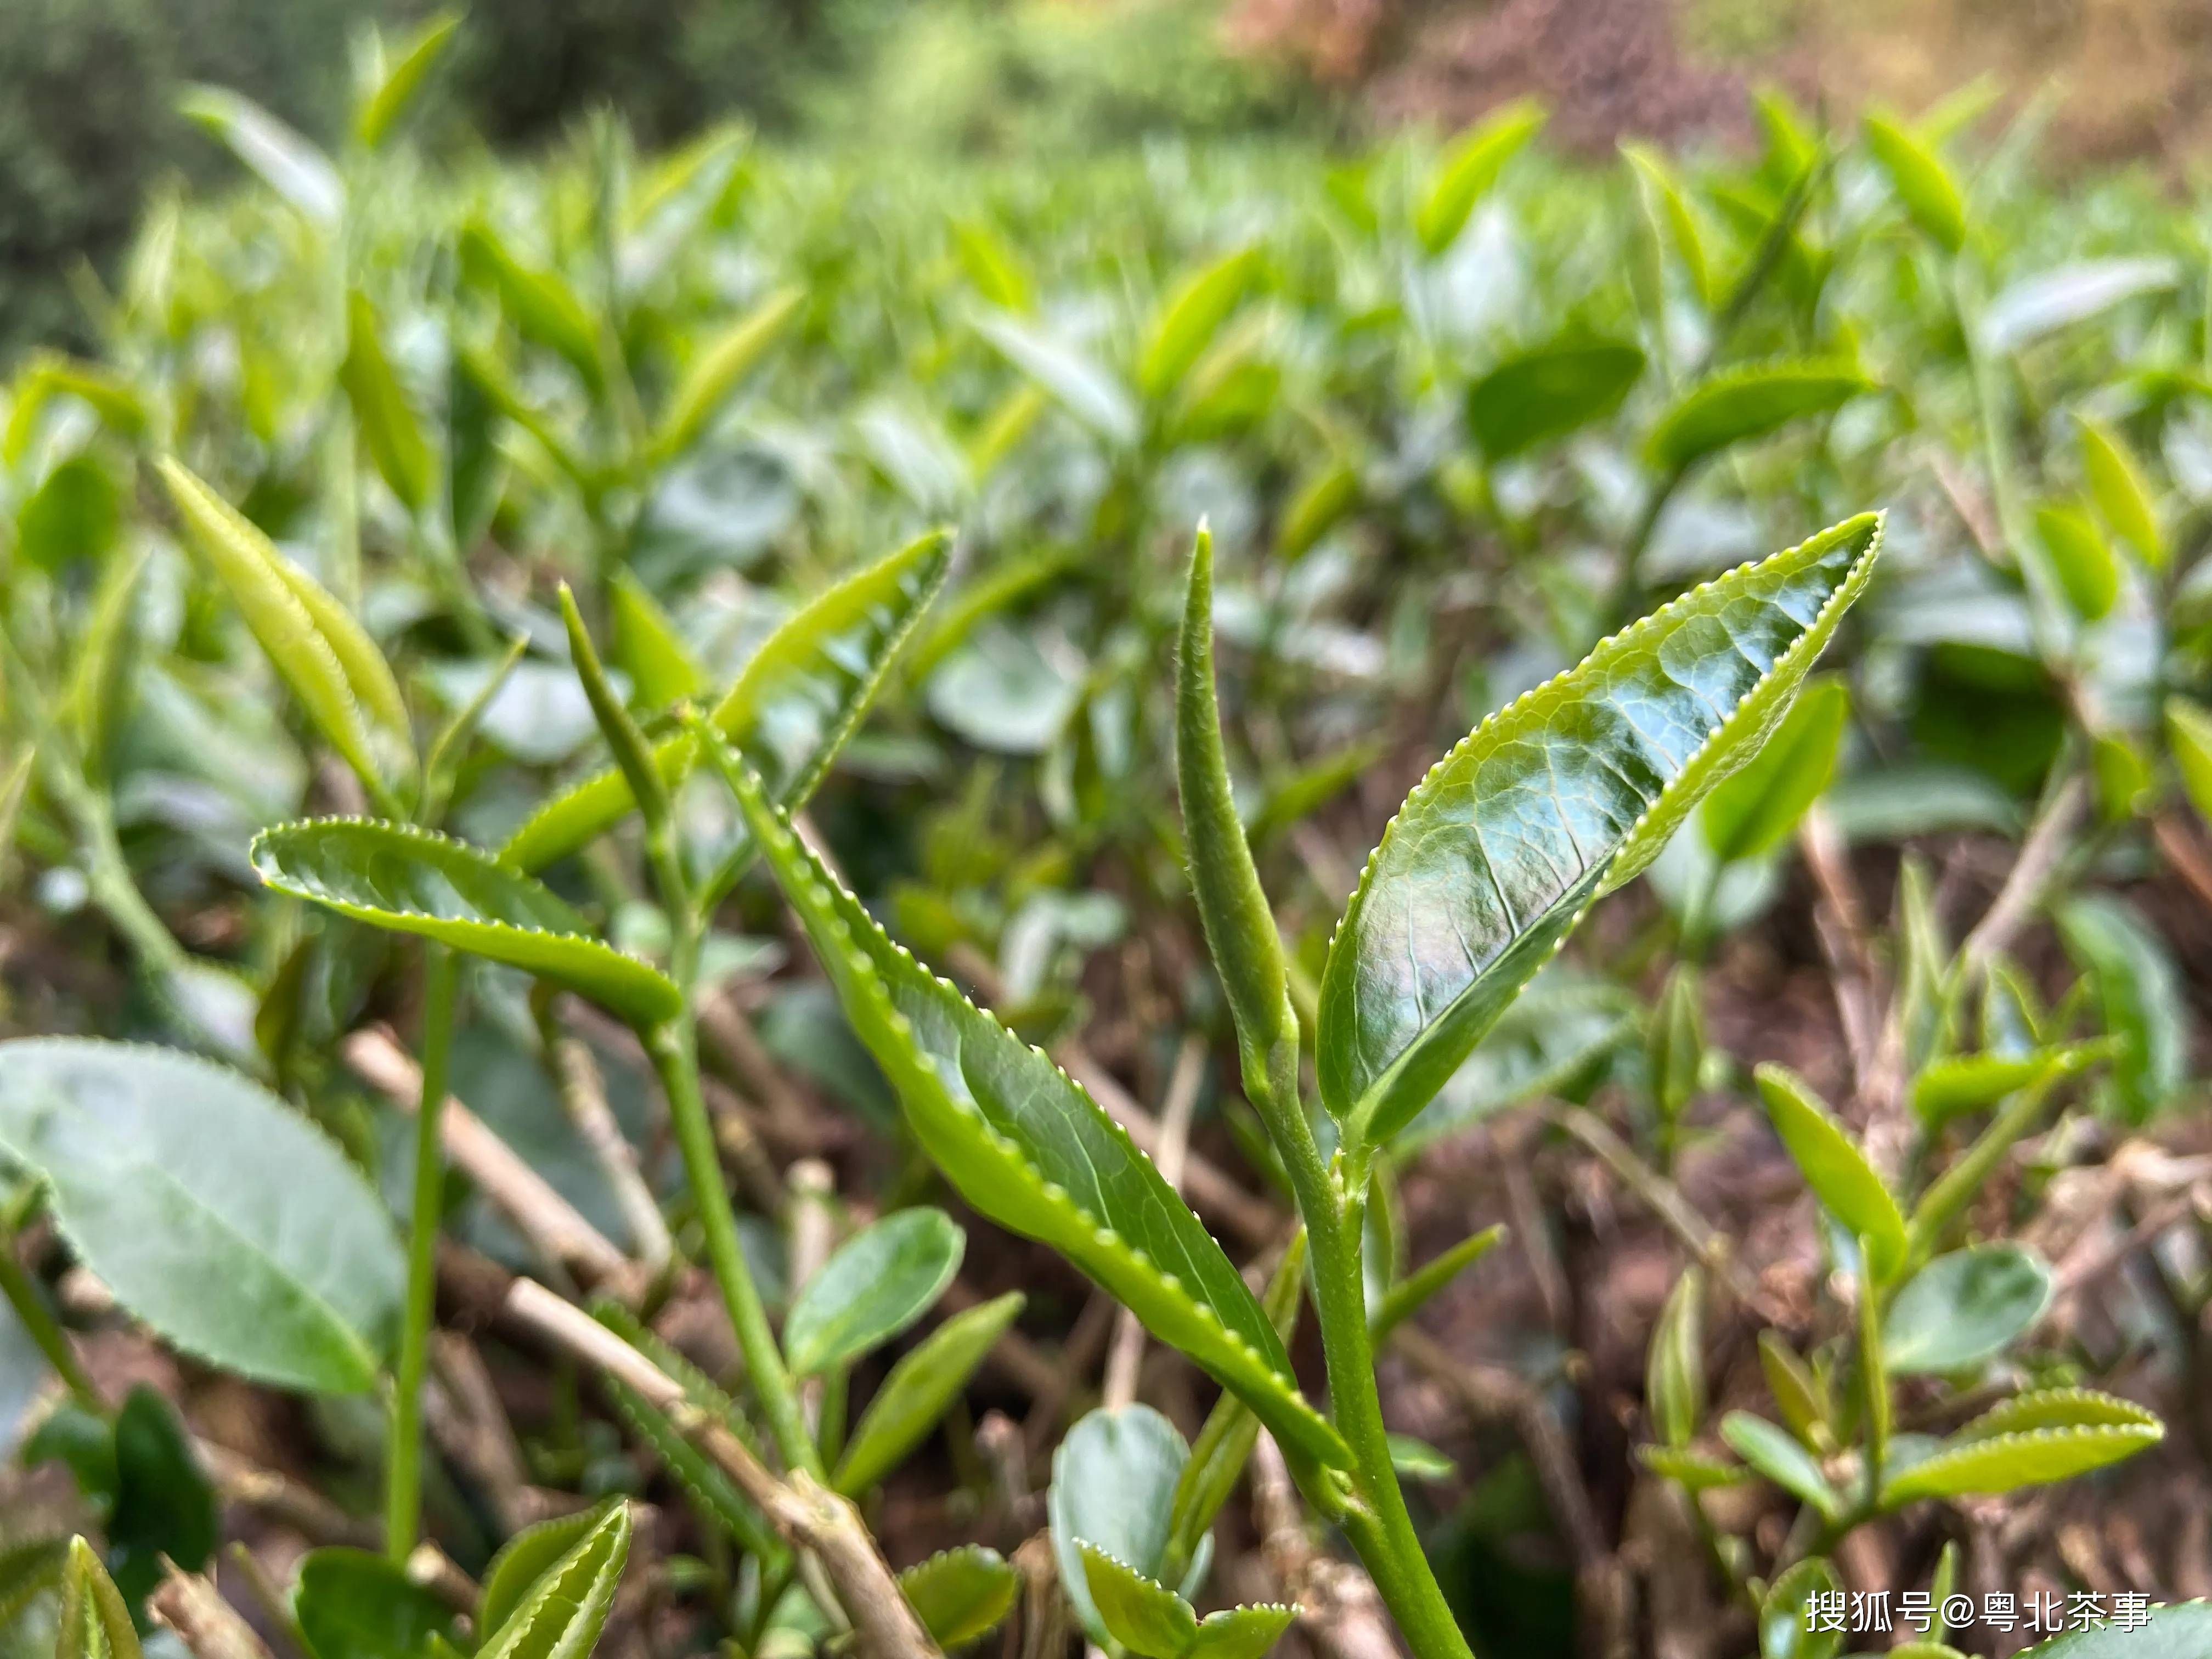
column 961, row 1594
column 722, row 363
column 1028, row 1148
column 380, row 410
column 2081, row 558
column 1921, row 180
column 352, row 1604
column 1754, row 812
column 818, row 674
column 1965, row 1308
column 288, row 163
column 415, row 881
column 1991, row 1465
column 1192, row 316
column 95, row 1620
column 1550, row 390
column 1835, row 1168
column 877, row 1284
column 1113, row 1485
column 1567, row 793
column 212, row 1210
column 2122, row 494
column 565, row 1611
column 1674, row 1386
column 1468, row 169
column 1745, row 404
column 1148, row 1619
column 1772, row 1451
column 919, row 1390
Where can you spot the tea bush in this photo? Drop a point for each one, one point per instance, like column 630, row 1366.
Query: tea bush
column 522, row 684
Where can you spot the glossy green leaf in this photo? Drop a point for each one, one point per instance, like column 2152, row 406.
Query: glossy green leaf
column 648, row 647
column 2121, row 491
column 352, row 1604
column 818, row 674
column 1799, row 1395
column 1112, row 1486
column 722, row 364
column 1192, row 316
column 632, row 758
column 1550, row 390
column 1029, row 1149
column 1774, row 1453
column 1965, row 1308
column 877, row 1284
column 961, row 1594
column 1082, row 387
column 416, row 881
column 95, row 1620
column 1674, row 1379
column 919, row 1390
column 542, row 307
column 213, row 1211
column 1745, row 404
column 524, row 1559
column 1468, row 167
column 1921, row 180
column 1240, row 927
column 1567, row 793
column 327, row 659
column 387, row 100
column 288, row 163
column 1834, row 1167
column 381, row 414
column 164, row 1513
column 1961, row 1084
column 2189, row 736
column 1785, row 1628
column 1991, row 1465
column 2058, row 1408
column 2180, row 1631
column 2081, row 558
column 2139, row 990
column 1757, row 810
column 1148, row 1619
column 1415, row 1291
column 567, row 1608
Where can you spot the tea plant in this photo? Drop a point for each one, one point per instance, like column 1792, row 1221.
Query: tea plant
column 439, row 611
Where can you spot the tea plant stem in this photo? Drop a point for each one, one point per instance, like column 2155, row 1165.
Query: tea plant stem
column 32, row 1312
column 402, row 1490
column 1334, row 1204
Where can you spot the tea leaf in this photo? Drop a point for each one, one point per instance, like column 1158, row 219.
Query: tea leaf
column 1675, row 1387
column 1781, row 1460
column 386, row 423
column 1784, row 1624
column 1029, row 1149
column 1965, row 1308
column 1680, row 220
column 961, row 1594
column 877, row 1284
column 1147, row 1619
column 1991, row 1465
column 2032, row 307
column 284, row 160
column 1113, row 1485
column 322, row 654
column 164, row 1515
column 1413, row 1292
column 214, row 1212
column 1567, row 793
column 722, row 364
column 2058, row 1408
column 389, row 99
column 562, row 1617
column 94, row 1621
column 1921, row 180
column 1468, row 168
column 352, row 1604
column 2121, row 492
column 828, row 658
column 1082, row 387
column 542, row 308
column 2189, row 734
column 2139, row 989
column 1835, row 1168
column 648, row 647
column 1550, row 390
column 2180, row 1631
column 524, row 1559
column 1745, row 404
column 2081, row 559
column 1192, row 316
column 416, row 881
column 919, row 1390
column 1754, row 812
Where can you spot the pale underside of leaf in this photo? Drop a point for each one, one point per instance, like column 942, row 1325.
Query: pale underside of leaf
column 416, row 881
column 1566, row 793
column 1028, row 1148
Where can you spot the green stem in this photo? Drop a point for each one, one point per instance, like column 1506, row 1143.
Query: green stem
column 403, row 1474
column 1334, row 1204
column 674, row 1048
column 38, row 1319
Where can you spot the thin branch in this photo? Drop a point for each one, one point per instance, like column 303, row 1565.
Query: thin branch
column 2015, row 902
column 806, row 1513
column 555, row 1228
column 584, row 1094
column 208, row 1626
